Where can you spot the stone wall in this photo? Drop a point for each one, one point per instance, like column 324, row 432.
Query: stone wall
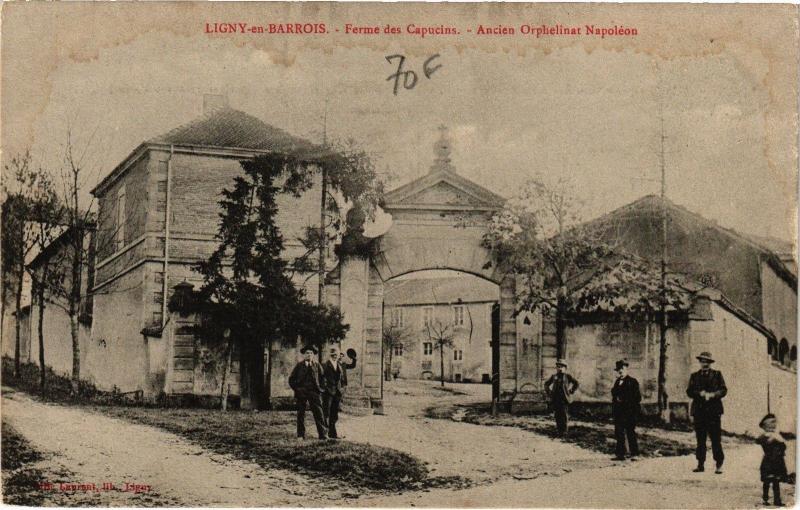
column 117, row 353
column 779, row 302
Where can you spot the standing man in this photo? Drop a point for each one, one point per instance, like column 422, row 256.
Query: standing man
column 625, row 398
column 560, row 388
column 707, row 388
column 307, row 382
column 335, row 380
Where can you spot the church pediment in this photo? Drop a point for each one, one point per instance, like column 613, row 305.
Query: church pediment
column 443, row 190
column 442, row 193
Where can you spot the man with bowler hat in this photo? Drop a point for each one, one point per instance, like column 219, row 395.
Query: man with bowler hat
column 307, row 382
column 560, row 388
column 334, row 372
column 706, row 389
column 625, row 399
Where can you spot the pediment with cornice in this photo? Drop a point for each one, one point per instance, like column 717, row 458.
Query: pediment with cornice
column 443, row 190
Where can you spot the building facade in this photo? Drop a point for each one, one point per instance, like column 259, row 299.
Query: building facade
column 426, row 311
column 158, row 216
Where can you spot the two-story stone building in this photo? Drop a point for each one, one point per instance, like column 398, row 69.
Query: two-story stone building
column 158, row 216
column 458, row 306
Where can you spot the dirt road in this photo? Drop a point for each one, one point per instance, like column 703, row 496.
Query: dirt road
column 652, row 483
column 98, row 450
column 509, row 467
column 479, row 454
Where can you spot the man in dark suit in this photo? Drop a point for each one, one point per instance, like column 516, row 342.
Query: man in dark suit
column 625, row 398
column 706, row 389
column 334, row 374
column 560, row 388
column 307, row 382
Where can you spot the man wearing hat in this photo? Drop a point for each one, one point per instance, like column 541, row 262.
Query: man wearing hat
column 706, row 389
column 560, row 388
column 625, row 399
column 335, row 380
column 307, row 382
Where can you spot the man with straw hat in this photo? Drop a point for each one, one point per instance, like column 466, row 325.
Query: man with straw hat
column 706, row 389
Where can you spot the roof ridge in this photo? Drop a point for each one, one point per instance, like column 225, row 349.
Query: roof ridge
column 682, row 209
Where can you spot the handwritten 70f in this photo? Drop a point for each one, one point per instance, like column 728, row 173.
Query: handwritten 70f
column 410, row 77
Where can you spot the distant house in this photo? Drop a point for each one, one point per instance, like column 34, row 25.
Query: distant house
column 158, row 216
column 461, row 306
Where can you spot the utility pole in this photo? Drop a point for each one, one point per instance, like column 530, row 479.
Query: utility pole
column 323, row 238
column 663, row 400
column 662, row 397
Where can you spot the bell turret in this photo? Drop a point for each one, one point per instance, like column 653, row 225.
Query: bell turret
column 441, row 149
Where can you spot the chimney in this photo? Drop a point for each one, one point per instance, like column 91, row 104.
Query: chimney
column 212, row 102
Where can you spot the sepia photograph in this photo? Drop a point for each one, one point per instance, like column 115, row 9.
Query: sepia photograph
column 446, row 255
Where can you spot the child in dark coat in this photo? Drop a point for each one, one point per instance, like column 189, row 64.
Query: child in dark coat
column 773, row 465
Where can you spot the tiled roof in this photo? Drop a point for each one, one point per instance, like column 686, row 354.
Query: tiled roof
column 449, row 290
column 226, row 127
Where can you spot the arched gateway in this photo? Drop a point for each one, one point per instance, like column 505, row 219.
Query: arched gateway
column 438, row 221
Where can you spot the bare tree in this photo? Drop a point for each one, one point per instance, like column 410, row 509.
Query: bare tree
column 45, row 224
column 78, row 220
column 393, row 336
column 21, row 191
column 441, row 335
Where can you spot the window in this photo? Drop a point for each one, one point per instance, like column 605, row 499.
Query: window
column 427, row 316
column 458, row 315
column 427, row 348
column 783, row 352
column 398, row 350
column 458, row 355
column 772, row 348
column 119, row 236
column 397, row 317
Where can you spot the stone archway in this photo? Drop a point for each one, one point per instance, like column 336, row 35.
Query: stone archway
column 438, row 222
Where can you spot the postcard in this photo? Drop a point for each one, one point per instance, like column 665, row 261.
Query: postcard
column 399, row 254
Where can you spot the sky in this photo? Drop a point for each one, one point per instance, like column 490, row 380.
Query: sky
column 589, row 111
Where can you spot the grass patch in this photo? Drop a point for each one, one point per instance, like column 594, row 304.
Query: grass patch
column 596, row 435
column 20, row 478
column 58, row 388
column 267, row 438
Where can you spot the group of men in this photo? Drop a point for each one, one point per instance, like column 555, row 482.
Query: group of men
column 319, row 386
column 706, row 389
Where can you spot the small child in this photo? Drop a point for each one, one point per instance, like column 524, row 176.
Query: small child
column 773, row 466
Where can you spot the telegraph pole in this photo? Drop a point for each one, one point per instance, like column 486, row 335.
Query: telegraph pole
column 663, row 401
column 323, row 238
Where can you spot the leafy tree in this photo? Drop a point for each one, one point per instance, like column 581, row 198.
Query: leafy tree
column 351, row 190
column 538, row 237
column 565, row 267
column 393, row 336
column 441, row 335
column 248, row 287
